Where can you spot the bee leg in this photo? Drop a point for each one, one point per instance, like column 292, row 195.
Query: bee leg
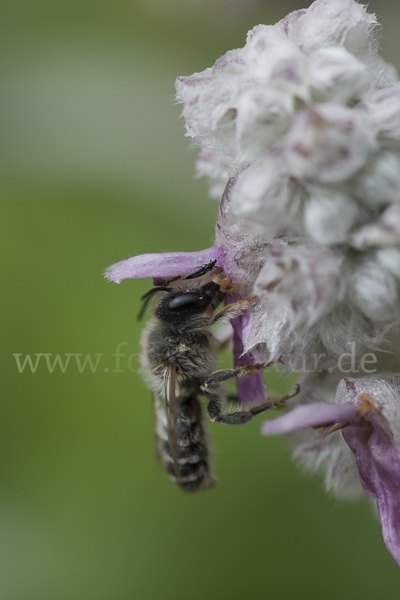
column 212, row 382
column 225, row 315
column 216, row 414
column 230, row 311
column 274, row 402
column 210, row 386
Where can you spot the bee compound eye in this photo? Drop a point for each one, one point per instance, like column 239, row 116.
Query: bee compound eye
column 188, row 301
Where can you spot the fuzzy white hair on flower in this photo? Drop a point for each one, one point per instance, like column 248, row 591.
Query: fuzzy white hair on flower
column 306, row 117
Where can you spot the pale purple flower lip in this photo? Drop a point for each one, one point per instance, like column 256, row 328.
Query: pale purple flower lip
column 160, row 266
column 370, row 438
column 251, row 390
column 311, row 415
column 378, row 462
column 377, row 452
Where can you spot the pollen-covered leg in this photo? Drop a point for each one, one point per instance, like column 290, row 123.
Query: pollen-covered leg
column 225, row 284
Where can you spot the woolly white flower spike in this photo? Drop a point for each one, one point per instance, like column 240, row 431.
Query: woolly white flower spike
column 328, row 143
column 300, row 283
column 274, row 58
column 211, row 165
column 336, row 76
column 306, row 116
column 384, row 112
column 389, row 259
column 379, row 182
column 330, row 215
column 375, row 291
column 333, row 23
column 384, row 232
column 241, row 108
column 263, row 116
column 269, row 199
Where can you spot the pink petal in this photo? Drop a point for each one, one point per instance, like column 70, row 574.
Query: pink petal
column 311, row 415
column 252, row 390
column 160, row 266
column 378, row 462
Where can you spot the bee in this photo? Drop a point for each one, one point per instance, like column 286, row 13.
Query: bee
column 178, row 357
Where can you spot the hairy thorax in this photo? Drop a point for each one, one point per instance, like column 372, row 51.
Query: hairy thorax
column 193, row 352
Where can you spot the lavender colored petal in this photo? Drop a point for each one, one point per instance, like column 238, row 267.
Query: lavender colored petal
column 252, row 390
column 160, row 266
column 378, row 462
column 311, row 415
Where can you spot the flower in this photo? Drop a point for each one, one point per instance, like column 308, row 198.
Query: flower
column 301, row 127
column 318, row 65
column 368, row 444
column 305, row 120
column 299, row 132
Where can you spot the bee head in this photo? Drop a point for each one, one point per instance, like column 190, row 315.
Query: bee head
column 178, row 306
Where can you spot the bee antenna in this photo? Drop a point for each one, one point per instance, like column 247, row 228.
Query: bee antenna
column 203, row 270
column 146, row 297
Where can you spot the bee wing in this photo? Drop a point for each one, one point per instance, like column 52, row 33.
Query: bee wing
column 172, row 414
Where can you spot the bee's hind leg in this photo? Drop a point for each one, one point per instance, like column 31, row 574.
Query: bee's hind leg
column 215, row 409
column 274, row 402
column 217, row 415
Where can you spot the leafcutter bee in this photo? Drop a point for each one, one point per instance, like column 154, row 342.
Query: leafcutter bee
column 178, row 356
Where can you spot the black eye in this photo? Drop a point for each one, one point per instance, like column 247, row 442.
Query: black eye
column 188, row 301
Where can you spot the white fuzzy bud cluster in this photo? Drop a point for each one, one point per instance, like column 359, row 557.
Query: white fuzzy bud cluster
column 306, row 117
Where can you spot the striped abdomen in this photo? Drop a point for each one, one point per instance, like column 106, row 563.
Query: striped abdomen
column 191, row 469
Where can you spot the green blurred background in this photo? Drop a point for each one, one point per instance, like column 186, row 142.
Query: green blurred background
column 95, row 168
